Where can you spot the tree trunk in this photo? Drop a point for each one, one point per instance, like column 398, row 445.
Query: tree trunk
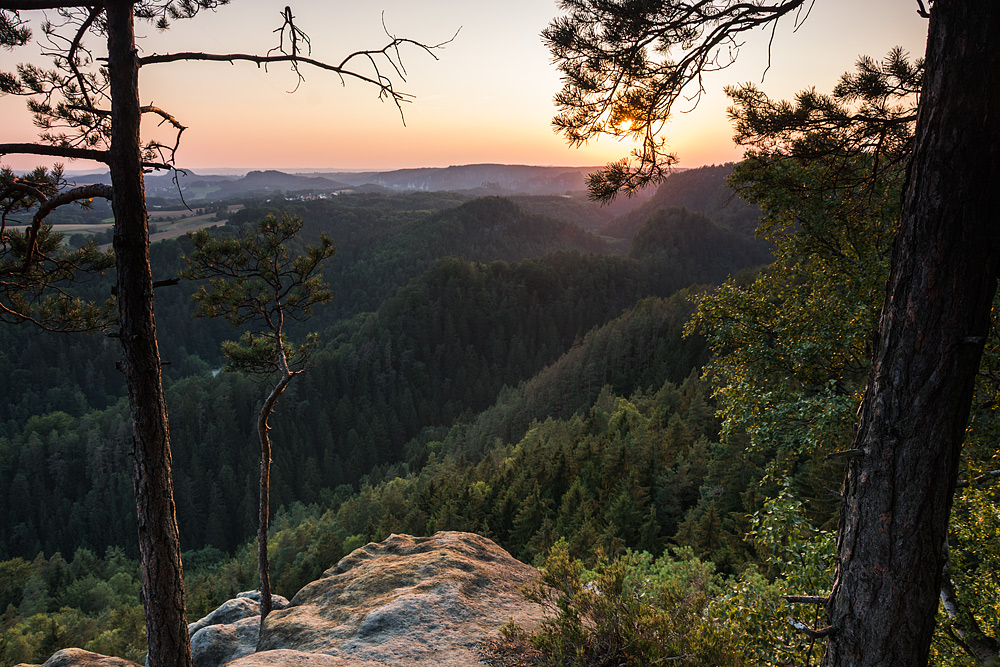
column 898, row 494
column 159, row 545
column 264, row 510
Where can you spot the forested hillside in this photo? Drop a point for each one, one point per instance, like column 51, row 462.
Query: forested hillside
column 442, row 306
column 704, row 190
column 481, row 367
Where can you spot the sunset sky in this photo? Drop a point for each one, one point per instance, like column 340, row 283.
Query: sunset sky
column 488, row 98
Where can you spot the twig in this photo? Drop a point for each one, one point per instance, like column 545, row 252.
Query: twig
column 809, row 632
column 805, row 599
column 845, row 454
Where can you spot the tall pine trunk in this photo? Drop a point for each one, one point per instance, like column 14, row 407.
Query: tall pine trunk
column 159, row 545
column 898, row 491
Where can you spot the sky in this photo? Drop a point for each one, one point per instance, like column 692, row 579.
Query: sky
column 486, row 98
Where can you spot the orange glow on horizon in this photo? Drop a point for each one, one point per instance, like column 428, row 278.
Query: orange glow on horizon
column 486, row 99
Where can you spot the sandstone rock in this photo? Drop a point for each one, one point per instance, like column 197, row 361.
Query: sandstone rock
column 229, row 611
column 290, row 658
column 230, row 631
column 277, row 601
column 244, row 605
column 216, row 645
column 77, row 657
column 404, row 601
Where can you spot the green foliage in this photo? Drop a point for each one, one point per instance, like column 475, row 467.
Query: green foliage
column 36, row 268
column 254, row 353
column 429, row 354
column 212, row 577
column 705, row 190
column 90, row 602
column 799, row 561
column 254, row 279
column 631, row 611
column 678, row 244
column 623, row 477
column 793, row 343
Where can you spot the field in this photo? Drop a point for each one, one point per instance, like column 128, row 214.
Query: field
column 162, row 224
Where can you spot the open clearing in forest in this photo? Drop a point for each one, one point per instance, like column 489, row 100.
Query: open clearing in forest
column 163, row 224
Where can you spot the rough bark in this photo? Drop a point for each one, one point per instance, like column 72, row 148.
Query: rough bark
column 264, row 510
column 159, row 545
column 898, row 494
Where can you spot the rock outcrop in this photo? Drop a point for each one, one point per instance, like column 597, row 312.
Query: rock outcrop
column 404, row 601
column 77, row 657
column 229, row 632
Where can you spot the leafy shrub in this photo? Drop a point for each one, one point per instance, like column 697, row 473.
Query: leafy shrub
column 754, row 610
column 634, row 610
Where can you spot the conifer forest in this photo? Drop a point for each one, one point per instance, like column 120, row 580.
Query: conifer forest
column 694, row 398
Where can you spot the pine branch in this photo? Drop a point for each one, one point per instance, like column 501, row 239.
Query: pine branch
column 30, row 5
column 68, row 152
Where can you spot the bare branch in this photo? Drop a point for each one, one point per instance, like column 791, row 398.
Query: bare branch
column 68, row 152
column 384, row 84
column 71, row 57
column 295, row 34
column 809, row 632
column 263, row 60
column 806, row 599
column 979, row 480
column 29, row 5
column 160, row 149
column 845, row 454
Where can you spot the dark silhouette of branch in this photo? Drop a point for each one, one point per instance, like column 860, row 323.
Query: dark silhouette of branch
column 76, row 46
column 295, row 35
column 69, row 196
column 13, row 31
column 809, row 632
column 979, row 480
column 28, row 5
column 160, row 148
column 384, row 84
column 46, row 206
column 68, row 152
column 625, row 66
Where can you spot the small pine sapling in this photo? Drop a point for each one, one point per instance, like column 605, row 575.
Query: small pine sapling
column 254, row 282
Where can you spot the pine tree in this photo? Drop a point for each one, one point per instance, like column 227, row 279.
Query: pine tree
column 253, row 280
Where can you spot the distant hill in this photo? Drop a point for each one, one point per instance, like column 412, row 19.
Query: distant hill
column 577, row 208
column 681, row 246
column 479, row 179
column 482, row 178
column 704, row 190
